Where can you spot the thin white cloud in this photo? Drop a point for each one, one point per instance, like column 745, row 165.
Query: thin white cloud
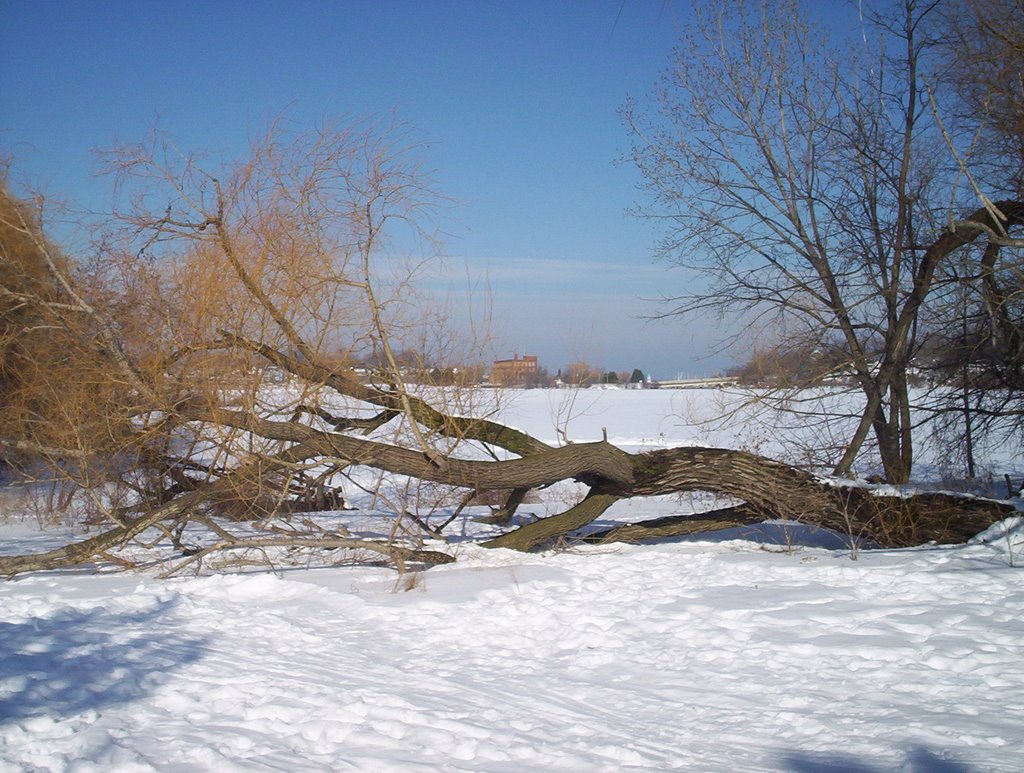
column 535, row 271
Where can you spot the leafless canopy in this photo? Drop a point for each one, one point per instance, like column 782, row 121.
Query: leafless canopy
column 812, row 184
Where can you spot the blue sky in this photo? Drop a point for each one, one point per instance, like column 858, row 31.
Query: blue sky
column 516, row 102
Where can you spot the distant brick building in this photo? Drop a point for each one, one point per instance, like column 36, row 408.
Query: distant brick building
column 518, row 370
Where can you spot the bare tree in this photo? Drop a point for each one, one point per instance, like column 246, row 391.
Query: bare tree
column 580, row 374
column 978, row 79
column 977, row 96
column 803, row 183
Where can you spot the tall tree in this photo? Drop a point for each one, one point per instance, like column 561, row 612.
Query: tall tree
column 805, row 180
column 977, row 81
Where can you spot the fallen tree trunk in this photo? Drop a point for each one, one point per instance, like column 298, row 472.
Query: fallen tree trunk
column 768, row 488
column 771, row 489
column 676, row 526
column 923, row 518
column 531, row 535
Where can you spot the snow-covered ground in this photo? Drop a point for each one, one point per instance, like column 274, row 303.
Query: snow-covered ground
column 713, row 655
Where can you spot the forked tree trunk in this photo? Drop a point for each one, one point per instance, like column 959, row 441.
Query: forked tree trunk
column 769, row 489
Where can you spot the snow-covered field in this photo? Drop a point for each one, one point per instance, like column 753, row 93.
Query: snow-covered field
column 714, row 655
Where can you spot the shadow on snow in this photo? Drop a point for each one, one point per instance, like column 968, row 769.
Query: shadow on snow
column 917, row 760
column 79, row 660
